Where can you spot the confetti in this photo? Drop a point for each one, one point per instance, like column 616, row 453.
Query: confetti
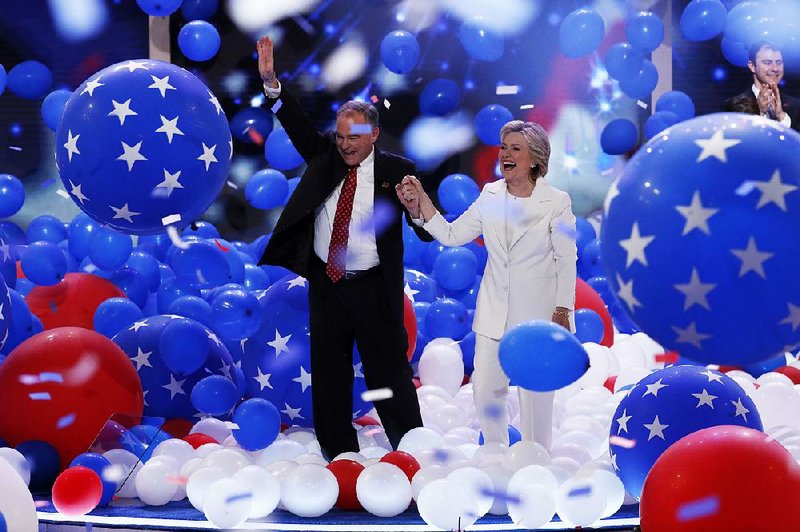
column 63, row 193
column 527, row 106
column 378, row 394
column 15, row 148
column 619, row 441
column 580, row 492
column 220, row 246
column 275, row 107
column 49, row 182
column 699, row 508
column 180, row 480
column 51, row 377
column 238, row 497
column 670, row 357
column 386, row 103
column 745, row 188
column 374, row 98
column 506, row 89
column 171, row 219
column 40, row 396
column 232, row 185
column 641, row 104
column 501, row 496
column 175, row 238
column 360, row 129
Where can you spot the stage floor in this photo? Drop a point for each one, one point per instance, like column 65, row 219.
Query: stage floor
column 182, row 516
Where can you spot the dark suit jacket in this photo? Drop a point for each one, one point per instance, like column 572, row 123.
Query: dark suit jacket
column 292, row 241
column 746, row 103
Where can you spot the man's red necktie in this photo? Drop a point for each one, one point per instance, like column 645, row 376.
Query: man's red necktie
column 337, row 251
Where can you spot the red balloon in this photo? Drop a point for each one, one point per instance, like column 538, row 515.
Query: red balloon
column 727, row 478
column 404, row 461
column 72, row 302
column 346, row 473
column 177, row 427
column 60, row 386
column 197, row 439
column 790, row 371
column 77, row 491
column 587, row 297
column 364, row 421
column 410, row 323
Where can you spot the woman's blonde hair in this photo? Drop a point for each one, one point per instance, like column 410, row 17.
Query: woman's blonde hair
column 537, row 141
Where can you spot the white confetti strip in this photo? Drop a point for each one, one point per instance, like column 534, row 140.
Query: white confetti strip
column 506, row 89
column 377, row 395
column 171, row 219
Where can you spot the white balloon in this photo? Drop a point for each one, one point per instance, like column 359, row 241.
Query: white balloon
column 447, row 505
column 443, row 366
column 180, row 450
column 629, row 377
column 583, row 423
column 350, row 455
column 152, row 484
column 609, row 483
column 211, row 426
column 228, row 503
column 426, row 475
column 122, row 464
column 433, row 390
column 500, row 477
column 594, row 445
column 628, row 355
column 199, row 482
column 774, row 377
column 469, row 449
column 16, row 501
column 206, row 449
column 229, row 459
column 534, row 487
column 490, row 453
column 285, row 449
column 373, row 451
column 777, row 404
column 651, row 349
column 579, row 502
column 300, row 434
column 264, row 487
column 524, row 453
column 478, row 483
column 17, row 460
column 303, row 481
column 448, row 416
column 310, row 458
column 383, row 489
column 599, row 365
column 420, row 438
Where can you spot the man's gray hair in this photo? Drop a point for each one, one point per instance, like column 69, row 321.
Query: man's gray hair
column 367, row 110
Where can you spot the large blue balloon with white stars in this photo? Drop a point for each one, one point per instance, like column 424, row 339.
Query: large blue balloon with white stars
column 664, row 407
column 167, row 394
column 701, row 242
column 142, row 144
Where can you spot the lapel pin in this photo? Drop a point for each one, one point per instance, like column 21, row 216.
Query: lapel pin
column 385, row 184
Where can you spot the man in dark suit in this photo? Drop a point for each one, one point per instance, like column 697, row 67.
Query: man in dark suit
column 355, row 271
column 764, row 98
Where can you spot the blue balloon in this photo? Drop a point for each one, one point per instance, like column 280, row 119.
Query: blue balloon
column 235, row 261
column 513, row 436
column 580, row 33
column 201, row 229
column 457, row 192
column 488, row 122
column 467, row 345
column 141, row 142
column 99, row 464
column 43, row 461
column 46, row 228
column 192, row 307
column 3, row 78
column 727, row 297
column 252, row 125
column 109, row 249
column 14, row 233
column 641, row 85
column 734, row 51
column 743, row 18
column 159, row 8
column 619, row 136
column 79, row 234
column 623, row 61
column 20, row 326
column 114, row 314
column 413, row 247
column 542, row 356
column 760, row 368
column 44, row 263
column 266, row 189
column 658, row 122
column 399, row 51
column 447, row 318
column 156, row 245
column 129, row 281
column 600, row 285
column 440, row 97
column 702, row 20
column 258, row 422
column 293, row 182
column 280, row 152
column 30, row 80
column 678, row 102
column 422, row 285
column 667, row 405
column 147, row 268
column 199, row 9
column 255, row 278
column 12, row 195
column 590, row 262
column 215, row 395
column 184, row 346
column 480, row 41
column 53, row 107
column 585, row 233
column 588, row 326
column 455, row 268
column 201, row 264
column 235, row 314
column 644, row 30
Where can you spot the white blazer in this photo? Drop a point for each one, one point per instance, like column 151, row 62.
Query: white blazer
column 536, row 273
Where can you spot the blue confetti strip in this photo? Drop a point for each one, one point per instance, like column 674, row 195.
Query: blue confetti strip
column 699, row 508
column 39, row 396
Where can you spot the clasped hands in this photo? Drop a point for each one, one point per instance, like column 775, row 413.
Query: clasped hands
column 410, row 193
column 769, row 99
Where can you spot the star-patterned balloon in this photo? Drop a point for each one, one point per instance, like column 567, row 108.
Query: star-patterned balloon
column 142, row 144
column 165, row 393
column 700, row 240
column 664, row 407
column 5, row 309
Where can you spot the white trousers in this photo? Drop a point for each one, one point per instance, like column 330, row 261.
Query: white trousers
column 490, row 390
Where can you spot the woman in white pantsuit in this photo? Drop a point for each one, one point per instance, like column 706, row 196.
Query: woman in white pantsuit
column 528, row 229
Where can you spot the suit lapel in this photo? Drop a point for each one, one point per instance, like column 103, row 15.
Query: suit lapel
column 495, row 214
column 535, row 210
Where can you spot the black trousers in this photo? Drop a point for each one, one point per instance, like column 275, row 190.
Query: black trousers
column 341, row 314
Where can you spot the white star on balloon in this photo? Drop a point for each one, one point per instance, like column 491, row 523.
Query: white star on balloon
column 752, row 259
column 292, row 412
column 122, row 110
column 656, row 428
column 124, row 213
column 696, row 215
column 652, row 389
column 625, row 293
column 794, row 316
column 773, row 191
column 138, row 325
column 170, row 181
column 215, row 101
column 695, row 291
column 304, row 379
column 279, row 343
column 613, row 192
column 297, row 281
column 169, row 127
column 162, row 84
column 263, row 379
column 5, row 249
column 690, row 335
column 142, row 359
column 130, row 154
column 358, row 373
column 741, row 410
column 208, row 156
column 623, row 421
column 213, row 337
column 135, row 65
column 716, row 377
column 704, row 398
column 410, row 292
column 635, row 245
column 91, row 86
column 72, row 145
column 715, row 146
column 75, row 190
column 175, row 387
